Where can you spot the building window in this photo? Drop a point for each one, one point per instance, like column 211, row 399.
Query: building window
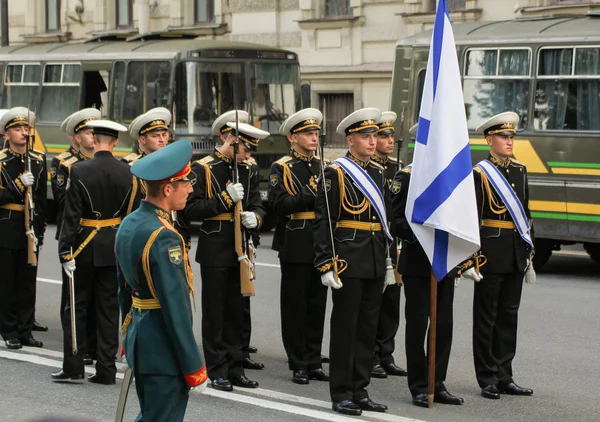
column 124, row 13
column 451, row 4
column 335, row 8
column 52, row 15
column 204, row 11
column 336, row 107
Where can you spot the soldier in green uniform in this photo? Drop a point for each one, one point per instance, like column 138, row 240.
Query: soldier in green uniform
column 389, row 314
column 156, row 291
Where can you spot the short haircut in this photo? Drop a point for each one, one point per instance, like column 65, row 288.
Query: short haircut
column 104, row 139
column 154, row 190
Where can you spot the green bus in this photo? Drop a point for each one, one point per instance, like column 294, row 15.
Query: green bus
column 124, row 77
column 546, row 69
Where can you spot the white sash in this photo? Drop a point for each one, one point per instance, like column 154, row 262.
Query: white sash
column 367, row 187
column 509, row 197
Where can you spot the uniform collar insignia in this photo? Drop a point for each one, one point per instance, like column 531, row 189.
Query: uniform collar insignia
column 82, row 156
column 499, row 163
column 222, row 156
column 301, row 156
column 162, row 214
column 16, row 154
column 379, row 160
column 360, row 162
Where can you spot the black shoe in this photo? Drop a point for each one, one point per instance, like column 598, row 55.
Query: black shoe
column 318, row 374
column 370, row 406
column 347, row 407
column 514, row 390
column 395, row 370
column 31, row 342
column 62, row 376
column 13, row 343
column 38, row 327
column 250, row 364
column 445, row 397
column 87, row 359
column 324, row 359
column 222, row 384
column 490, row 392
column 420, row 400
column 243, row 381
column 300, row 377
column 97, row 379
column 251, row 349
column 378, row 372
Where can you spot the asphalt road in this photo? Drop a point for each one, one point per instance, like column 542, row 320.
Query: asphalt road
column 558, row 356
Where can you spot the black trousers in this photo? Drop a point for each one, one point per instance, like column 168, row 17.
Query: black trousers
column 247, row 330
column 353, row 328
column 303, row 301
column 389, row 321
column 94, row 287
column 495, row 318
column 17, row 294
column 90, row 326
column 417, row 291
column 222, row 321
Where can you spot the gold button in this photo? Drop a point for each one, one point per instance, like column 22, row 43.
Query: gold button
column 309, row 165
column 374, row 217
column 380, row 172
column 512, row 184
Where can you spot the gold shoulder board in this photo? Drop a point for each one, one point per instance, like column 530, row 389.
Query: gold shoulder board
column 69, row 162
column 518, row 163
column 283, row 160
column 37, row 155
column 2, row 154
column 63, row 155
column 407, row 170
column 205, row 160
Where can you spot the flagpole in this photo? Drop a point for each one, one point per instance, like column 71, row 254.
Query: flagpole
column 432, row 337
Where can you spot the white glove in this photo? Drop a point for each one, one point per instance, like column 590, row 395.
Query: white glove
column 236, row 191
column 530, row 276
column 249, row 219
column 399, row 246
column 328, row 280
column 199, row 389
column 27, row 179
column 471, row 274
column 69, row 267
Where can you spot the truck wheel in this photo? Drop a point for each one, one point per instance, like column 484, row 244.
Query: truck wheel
column 543, row 252
column 593, row 250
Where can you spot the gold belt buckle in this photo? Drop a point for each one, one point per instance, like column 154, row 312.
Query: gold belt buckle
column 373, row 227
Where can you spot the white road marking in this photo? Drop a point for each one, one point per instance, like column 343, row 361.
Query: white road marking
column 572, row 253
column 24, row 356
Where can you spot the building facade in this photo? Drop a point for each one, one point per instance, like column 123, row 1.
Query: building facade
column 346, row 47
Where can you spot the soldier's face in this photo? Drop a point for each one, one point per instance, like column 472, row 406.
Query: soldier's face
column 362, row 145
column 305, row 142
column 177, row 194
column 85, row 139
column 155, row 140
column 385, row 143
column 17, row 135
column 501, row 146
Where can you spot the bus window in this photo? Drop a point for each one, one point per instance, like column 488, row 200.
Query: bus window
column 21, row 82
column 273, row 93
column 117, row 91
column 496, row 80
column 147, row 87
column 567, row 95
column 60, row 91
column 419, row 99
column 203, row 91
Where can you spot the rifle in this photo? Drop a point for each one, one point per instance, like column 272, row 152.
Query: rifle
column 173, row 122
column 29, row 205
column 72, row 310
column 400, row 141
column 242, row 247
column 322, row 142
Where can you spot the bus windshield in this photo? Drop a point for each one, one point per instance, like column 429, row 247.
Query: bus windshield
column 205, row 90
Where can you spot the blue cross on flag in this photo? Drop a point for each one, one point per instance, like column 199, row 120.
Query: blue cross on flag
column 442, row 207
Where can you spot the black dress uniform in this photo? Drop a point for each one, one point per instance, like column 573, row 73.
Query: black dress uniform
column 222, row 301
column 292, row 193
column 360, row 243
column 498, row 296
column 416, row 274
column 389, row 314
column 95, row 202
column 58, row 184
column 18, row 281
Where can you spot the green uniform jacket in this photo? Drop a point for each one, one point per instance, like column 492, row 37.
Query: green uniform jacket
column 153, row 267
